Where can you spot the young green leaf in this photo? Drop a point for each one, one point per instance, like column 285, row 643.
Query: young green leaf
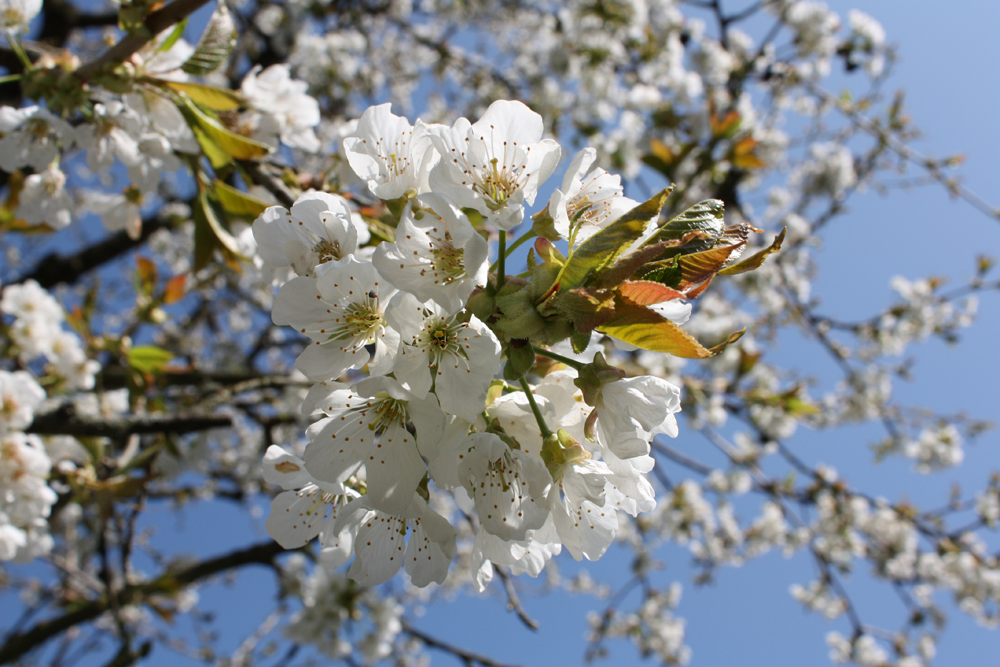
column 148, row 358
column 645, row 328
column 216, row 43
column 220, row 144
column 212, row 97
column 601, row 249
column 705, row 218
column 237, row 203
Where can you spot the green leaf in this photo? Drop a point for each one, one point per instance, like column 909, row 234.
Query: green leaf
column 227, row 240
column 238, row 203
column 705, row 218
column 645, row 328
column 213, row 97
column 220, row 144
column 174, row 35
column 605, row 246
column 205, row 241
column 757, row 259
column 149, row 358
column 216, row 43
column 520, row 359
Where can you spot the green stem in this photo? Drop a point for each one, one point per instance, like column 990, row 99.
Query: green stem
column 15, row 45
column 572, row 363
column 518, row 243
column 546, row 432
column 10, row 77
column 501, row 257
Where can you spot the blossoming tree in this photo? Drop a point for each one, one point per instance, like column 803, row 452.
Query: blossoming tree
column 233, row 274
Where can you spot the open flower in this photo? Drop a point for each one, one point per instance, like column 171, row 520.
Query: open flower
column 367, row 425
column 342, row 312
column 508, row 486
column 389, row 154
column 459, row 359
column 437, row 254
column 377, row 539
column 318, row 229
column 596, row 197
column 307, row 507
column 495, row 165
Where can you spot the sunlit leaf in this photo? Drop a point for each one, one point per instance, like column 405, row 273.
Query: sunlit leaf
column 146, row 272
column 601, row 249
column 647, row 293
column 213, row 97
column 238, row 203
column 227, row 240
column 705, row 218
column 755, row 260
column 220, row 144
column 175, row 289
column 649, row 330
column 148, row 358
column 174, row 35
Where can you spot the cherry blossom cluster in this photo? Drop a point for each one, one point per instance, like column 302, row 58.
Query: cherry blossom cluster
column 407, row 378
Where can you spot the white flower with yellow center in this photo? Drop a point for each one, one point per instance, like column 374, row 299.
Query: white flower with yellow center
column 437, row 254
column 509, row 487
column 441, row 352
column 587, row 202
column 367, row 426
column 377, row 539
column 318, row 229
column 495, row 165
column 342, row 312
column 307, row 507
column 389, row 154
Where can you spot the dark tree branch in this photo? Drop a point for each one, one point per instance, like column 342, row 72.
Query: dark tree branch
column 54, row 269
column 20, row 643
column 466, row 656
column 155, row 23
column 65, row 421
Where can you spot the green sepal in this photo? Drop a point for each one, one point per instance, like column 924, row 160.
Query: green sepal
column 520, row 360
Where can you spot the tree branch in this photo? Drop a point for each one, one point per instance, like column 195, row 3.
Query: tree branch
column 155, row 23
column 65, row 421
column 54, row 269
column 20, row 643
column 467, row 656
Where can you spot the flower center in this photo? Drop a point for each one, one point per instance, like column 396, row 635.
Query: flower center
column 447, row 261
column 360, row 321
column 440, row 338
column 388, row 411
column 328, row 251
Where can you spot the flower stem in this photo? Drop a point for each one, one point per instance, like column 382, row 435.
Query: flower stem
column 518, row 243
column 501, row 257
column 546, row 432
column 572, row 363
